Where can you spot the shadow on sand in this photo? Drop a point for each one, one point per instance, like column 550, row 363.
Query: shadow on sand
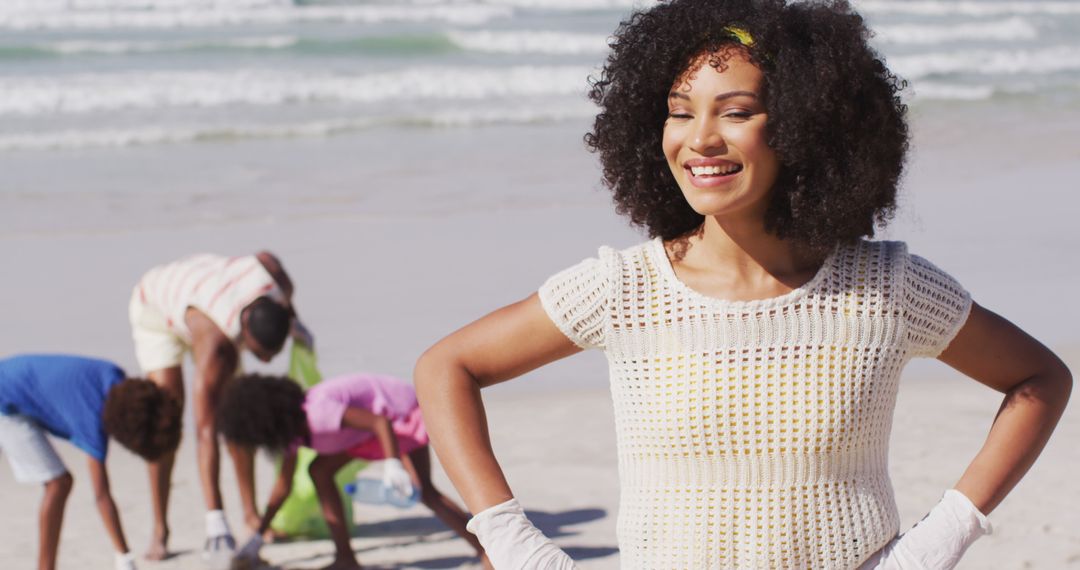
column 419, row 530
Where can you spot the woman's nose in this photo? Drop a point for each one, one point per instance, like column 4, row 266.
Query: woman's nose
column 706, row 137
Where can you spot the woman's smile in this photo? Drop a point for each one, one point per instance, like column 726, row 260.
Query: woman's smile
column 711, row 172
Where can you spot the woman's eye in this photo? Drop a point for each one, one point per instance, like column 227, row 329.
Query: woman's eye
column 738, row 115
column 678, row 115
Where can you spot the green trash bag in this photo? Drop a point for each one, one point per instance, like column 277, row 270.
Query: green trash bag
column 302, row 366
column 300, row 515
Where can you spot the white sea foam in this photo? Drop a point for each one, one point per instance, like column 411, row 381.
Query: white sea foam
column 119, row 47
column 522, row 42
column 1009, row 29
column 70, row 5
column 187, row 17
column 36, row 96
column 120, row 138
column 987, row 62
column 967, row 7
column 571, row 5
column 944, row 91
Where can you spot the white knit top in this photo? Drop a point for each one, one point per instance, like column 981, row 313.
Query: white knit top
column 754, row 434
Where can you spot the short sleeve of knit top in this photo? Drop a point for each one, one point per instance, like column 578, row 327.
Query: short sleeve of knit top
column 935, row 307
column 577, row 299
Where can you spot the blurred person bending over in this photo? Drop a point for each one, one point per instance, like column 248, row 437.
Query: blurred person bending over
column 84, row 401
column 215, row 307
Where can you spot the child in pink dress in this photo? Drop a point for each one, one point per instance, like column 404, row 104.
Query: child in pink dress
column 355, row 416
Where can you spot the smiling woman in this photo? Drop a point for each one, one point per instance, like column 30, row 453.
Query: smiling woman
column 756, row 344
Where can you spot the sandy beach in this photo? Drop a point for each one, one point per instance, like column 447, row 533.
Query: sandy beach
column 558, row 451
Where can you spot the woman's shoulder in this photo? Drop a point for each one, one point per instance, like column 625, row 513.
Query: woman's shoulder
column 598, row 276
column 866, row 265
column 869, row 255
column 886, row 261
column 891, row 254
column 875, row 248
column 610, row 252
column 608, row 258
column 633, row 254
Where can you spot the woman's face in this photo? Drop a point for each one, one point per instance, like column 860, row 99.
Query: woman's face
column 714, row 138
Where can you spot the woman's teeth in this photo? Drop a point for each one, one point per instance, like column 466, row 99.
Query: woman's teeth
column 715, row 170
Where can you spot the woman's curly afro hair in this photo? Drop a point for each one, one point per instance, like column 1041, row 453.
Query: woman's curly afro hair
column 143, row 418
column 262, row 411
column 836, row 120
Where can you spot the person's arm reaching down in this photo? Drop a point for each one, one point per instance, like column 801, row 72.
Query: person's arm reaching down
column 99, row 480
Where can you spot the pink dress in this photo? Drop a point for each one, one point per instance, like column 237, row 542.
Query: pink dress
column 395, row 399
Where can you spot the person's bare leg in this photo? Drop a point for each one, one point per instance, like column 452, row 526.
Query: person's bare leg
column 322, row 471
column 172, row 381
column 243, row 459
column 51, row 518
column 445, row 509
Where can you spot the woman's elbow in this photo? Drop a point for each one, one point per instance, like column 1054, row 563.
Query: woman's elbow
column 426, row 371
column 437, row 369
column 1053, row 385
column 1064, row 382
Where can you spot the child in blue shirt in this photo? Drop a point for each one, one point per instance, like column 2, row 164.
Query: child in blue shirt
column 84, row 401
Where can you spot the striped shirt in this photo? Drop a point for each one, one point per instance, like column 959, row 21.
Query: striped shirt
column 220, row 287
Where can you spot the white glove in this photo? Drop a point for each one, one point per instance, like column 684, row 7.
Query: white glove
column 250, row 550
column 938, row 541
column 513, row 543
column 396, row 479
column 125, row 561
column 219, row 540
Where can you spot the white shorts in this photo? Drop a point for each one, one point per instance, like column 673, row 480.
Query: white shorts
column 31, row 456
column 156, row 347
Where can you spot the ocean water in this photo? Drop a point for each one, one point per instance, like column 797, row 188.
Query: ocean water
column 174, row 125
column 82, row 74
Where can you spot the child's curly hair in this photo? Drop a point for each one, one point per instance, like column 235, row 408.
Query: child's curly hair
column 836, row 120
column 143, row 418
column 262, row 411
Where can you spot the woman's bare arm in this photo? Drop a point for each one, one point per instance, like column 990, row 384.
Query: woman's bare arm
column 1036, row 385
column 502, row 345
